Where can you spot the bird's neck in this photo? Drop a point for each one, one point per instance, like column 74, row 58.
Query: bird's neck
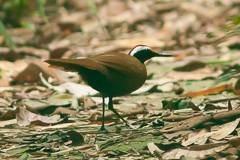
column 142, row 56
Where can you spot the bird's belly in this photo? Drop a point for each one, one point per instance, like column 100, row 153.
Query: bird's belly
column 114, row 84
column 124, row 86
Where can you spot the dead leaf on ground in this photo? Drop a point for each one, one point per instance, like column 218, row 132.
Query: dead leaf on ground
column 88, row 103
column 53, row 105
column 77, row 138
column 35, row 106
column 35, row 92
column 208, row 91
column 26, row 118
column 219, row 134
column 193, row 106
column 58, row 52
column 236, row 90
column 185, row 124
column 177, row 88
column 31, row 73
column 206, row 12
column 229, row 105
column 113, row 8
column 63, row 111
column 190, row 66
column 4, row 82
column 78, row 90
column 195, row 151
column 176, row 134
column 154, row 150
column 199, row 74
column 61, row 99
column 11, row 114
column 7, row 122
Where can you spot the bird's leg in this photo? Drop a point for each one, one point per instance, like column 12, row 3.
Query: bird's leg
column 103, row 108
column 110, row 107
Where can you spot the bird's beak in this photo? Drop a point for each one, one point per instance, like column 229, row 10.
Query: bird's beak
column 165, row 55
column 162, row 54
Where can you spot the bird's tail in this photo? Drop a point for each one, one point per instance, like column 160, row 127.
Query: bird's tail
column 73, row 64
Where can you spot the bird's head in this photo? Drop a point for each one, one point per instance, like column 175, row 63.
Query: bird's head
column 143, row 53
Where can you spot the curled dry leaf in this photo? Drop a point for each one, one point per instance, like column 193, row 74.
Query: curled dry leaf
column 154, row 149
column 208, row 91
column 78, row 90
column 26, row 118
column 35, row 92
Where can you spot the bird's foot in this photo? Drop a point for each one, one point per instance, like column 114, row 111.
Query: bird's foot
column 131, row 126
column 103, row 129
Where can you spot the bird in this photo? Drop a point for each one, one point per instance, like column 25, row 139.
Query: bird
column 112, row 74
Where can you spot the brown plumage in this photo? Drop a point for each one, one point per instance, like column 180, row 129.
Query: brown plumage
column 112, row 74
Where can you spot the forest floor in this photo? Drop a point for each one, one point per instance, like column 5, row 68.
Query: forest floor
column 187, row 108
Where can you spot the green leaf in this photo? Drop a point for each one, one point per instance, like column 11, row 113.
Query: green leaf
column 18, row 150
column 42, row 10
column 92, row 6
column 3, row 31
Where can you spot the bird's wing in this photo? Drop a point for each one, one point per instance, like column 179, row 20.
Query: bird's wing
column 119, row 62
column 74, row 64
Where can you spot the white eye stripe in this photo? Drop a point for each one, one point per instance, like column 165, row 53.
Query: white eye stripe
column 137, row 49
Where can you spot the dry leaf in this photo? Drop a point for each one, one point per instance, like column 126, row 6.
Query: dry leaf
column 8, row 115
column 154, row 149
column 77, row 138
column 25, row 118
column 225, row 130
column 236, row 90
column 190, row 66
column 193, row 106
column 31, row 73
column 78, row 90
column 198, row 152
column 208, row 91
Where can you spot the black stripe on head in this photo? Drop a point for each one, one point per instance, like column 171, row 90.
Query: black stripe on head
column 143, row 53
